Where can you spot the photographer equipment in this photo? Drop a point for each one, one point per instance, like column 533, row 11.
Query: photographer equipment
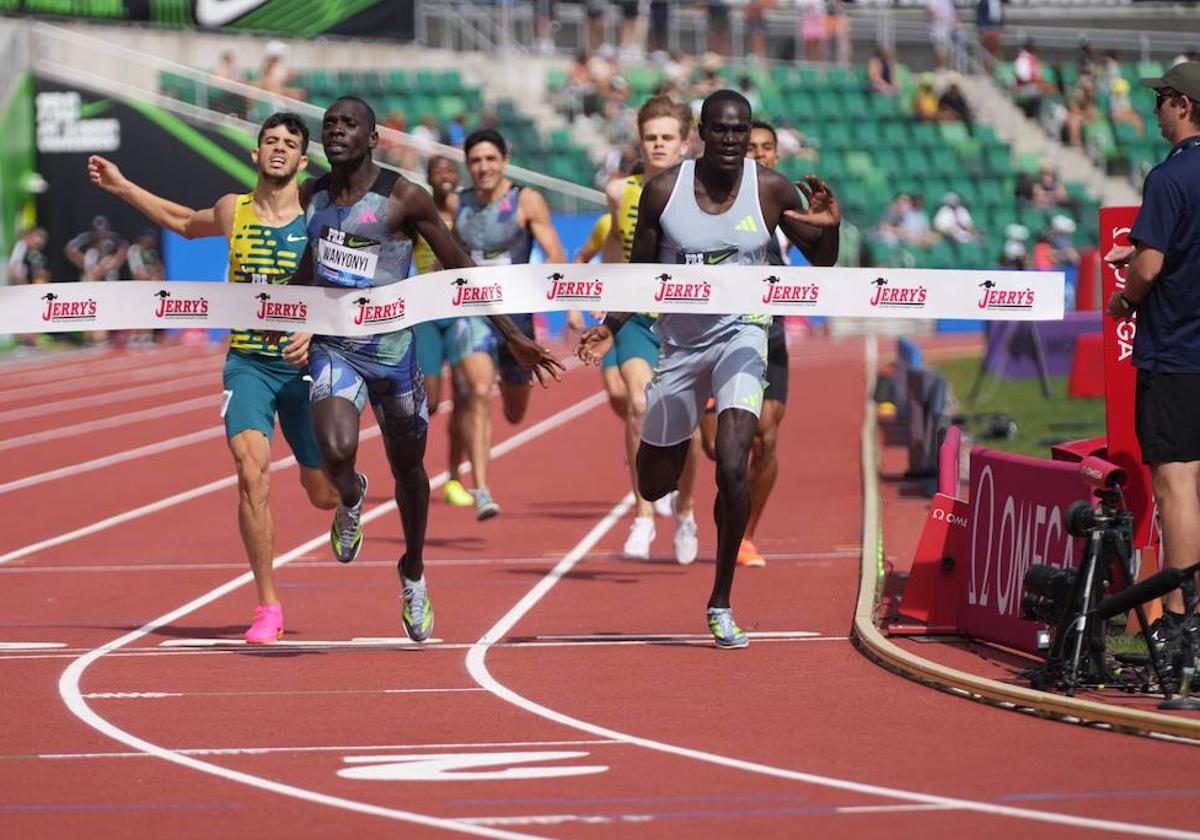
column 1067, row 599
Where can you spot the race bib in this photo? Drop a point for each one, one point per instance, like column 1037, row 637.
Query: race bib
column 498, row 257
column 346, row 259
column 706, row 257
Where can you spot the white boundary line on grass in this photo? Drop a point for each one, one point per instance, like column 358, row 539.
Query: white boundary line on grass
column 72, row 695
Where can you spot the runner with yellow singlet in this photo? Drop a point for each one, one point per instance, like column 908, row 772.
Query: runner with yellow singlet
column 614, row 386
column 265, row 230
column 450, row 340
column 663, row 126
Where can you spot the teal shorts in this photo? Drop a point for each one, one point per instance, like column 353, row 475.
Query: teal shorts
column 636, row 340
column 256, row 389
column 450, row 340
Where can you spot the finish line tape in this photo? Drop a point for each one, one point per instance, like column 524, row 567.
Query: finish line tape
column 492, row 290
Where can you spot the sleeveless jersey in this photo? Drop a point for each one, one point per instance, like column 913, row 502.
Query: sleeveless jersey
column 353, row 247
column 690, row 236
column 492, row 234
column 259, row 253
column 424, row 259
column 627, row 212
column 599, row 233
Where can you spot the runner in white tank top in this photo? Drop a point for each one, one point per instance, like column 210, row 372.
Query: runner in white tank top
column 719, row 209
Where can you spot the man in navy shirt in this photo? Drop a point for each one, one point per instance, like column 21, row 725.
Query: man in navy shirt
column 1163, row 287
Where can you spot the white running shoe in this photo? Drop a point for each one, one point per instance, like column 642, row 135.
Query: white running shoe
column 641, row 534
column 687, row 540
column 666, row 505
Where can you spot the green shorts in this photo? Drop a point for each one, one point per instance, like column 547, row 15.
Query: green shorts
column 256, row 389
column 450, row 340
column 636, row 340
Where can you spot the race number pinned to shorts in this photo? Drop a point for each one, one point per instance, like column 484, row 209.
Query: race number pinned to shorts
column 347, row 259
column 226, row 399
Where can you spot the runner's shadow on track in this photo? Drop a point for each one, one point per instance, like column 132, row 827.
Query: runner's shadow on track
column 565, row 509
column 231, row 633
column 462, row 543
column 628, row 574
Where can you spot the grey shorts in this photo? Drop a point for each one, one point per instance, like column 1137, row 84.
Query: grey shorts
column 730, row 369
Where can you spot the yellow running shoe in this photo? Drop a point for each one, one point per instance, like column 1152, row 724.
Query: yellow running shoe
column 457, row 495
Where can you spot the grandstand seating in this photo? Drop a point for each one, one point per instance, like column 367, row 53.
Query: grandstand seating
column 871, row 147
column 441, row 93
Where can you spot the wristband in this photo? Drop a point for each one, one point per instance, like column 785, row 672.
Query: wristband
column 614, row 324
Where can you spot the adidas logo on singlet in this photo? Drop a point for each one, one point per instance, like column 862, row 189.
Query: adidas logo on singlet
column 747, row 224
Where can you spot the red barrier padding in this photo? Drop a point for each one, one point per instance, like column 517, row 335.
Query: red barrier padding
column 931, row 594
column 948, row 474
column 1087, row 367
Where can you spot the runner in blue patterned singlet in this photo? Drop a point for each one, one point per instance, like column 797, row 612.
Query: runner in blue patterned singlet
column 497, row 224
column 265, row 230
column 362, row 221
column 721, row 208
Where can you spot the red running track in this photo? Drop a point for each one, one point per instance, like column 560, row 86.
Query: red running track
column 572, row 694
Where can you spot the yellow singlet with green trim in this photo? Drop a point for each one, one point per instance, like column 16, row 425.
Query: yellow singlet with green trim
column 423, row 257
column 627, row 213
column 259, row 253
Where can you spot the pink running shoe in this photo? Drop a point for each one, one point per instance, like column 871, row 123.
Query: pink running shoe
column 268, row 625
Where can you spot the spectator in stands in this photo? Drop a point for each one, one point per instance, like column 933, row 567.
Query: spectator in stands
column 925, row 101
column 1030, row 85
column 594, row 10
column 952, row 105
column 1120, row 108
column 953, row 221
column 943, row 30
column 678, row 70
column 602, row 67
column 1056, row 248
column 425, row 138
column 227, row 67
column 1085, row 58
column 1082, row 110
column 545, row 24
column 882, row 76
column 27, row 263
column 905, row 223
column 754, row 13
column 838, row 23
column 791, row 143
column 709, row 81
column 989, row 23
column 719, row 39
column 1014, row 255
column 660, row 25
column 632, row 36
column 98, row 252
column 275, row 76
column 145, row 260
column 814, row 29
column 455, row 131
column 746, row 88
column 1110, row 70
column 395, row 151
column 1047, row 191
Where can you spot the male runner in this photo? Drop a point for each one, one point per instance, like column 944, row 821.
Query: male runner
column 464, row 343
column 361, row 222
column 764, row 466
column 663, row 128
column 265, row 230
column 497, row 224
column 720, row 208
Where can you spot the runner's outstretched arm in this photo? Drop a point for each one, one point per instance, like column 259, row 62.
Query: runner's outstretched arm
column 186, row 221
column 815, row 229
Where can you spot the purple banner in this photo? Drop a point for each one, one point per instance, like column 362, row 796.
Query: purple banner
column 1010, row 344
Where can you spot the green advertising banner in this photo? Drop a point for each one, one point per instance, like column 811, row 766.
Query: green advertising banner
column 298, row 18
column 16, row 162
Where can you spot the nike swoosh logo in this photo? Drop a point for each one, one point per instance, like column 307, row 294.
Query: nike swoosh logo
column 221, row 12
column 296, row 238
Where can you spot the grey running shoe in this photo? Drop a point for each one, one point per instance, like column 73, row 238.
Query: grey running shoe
column 485, row 506
column 347, row 533
column 725, row 631
column 418, row 610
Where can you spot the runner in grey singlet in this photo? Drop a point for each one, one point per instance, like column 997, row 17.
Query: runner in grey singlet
column 719, row 355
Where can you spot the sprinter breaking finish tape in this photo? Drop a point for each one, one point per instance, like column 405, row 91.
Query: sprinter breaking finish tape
column 838, row 292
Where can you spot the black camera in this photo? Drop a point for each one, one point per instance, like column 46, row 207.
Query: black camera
column 1047, row 593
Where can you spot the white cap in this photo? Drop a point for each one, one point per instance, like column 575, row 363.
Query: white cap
column 1062, row 224
column 1018, row 233
column 275, row 48
column 1013, row 249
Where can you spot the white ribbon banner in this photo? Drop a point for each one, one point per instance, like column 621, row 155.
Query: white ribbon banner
column 491, row 290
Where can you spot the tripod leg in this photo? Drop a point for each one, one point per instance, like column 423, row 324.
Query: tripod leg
column 1127, row 573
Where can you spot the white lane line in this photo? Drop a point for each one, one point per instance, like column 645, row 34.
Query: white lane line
column 69, row 690
column 471, row 745
column 159, row 695
column 153, row 507
column 212, row 401
column 11, row 646
column 161, row 372
column 298, row 643
column 109, row 398
column 477, row 667
column 229, row 647
column 73, row 470
column 653, row 637
column 90, row 359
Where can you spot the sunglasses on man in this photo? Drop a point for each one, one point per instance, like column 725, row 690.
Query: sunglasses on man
column 1163, row 94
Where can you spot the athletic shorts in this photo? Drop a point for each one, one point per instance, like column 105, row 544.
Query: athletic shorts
column 256, row 389
column 511, row 371
column 636, row 340
column 731, row 369
column 1167, row 416
column 777, row 363
column 450, row 340
column 396, row 392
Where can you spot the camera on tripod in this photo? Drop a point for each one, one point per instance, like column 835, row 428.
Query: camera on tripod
column 1065, row 599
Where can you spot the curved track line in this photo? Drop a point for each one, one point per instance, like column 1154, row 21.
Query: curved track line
column 477, row 667
column 72, row 696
